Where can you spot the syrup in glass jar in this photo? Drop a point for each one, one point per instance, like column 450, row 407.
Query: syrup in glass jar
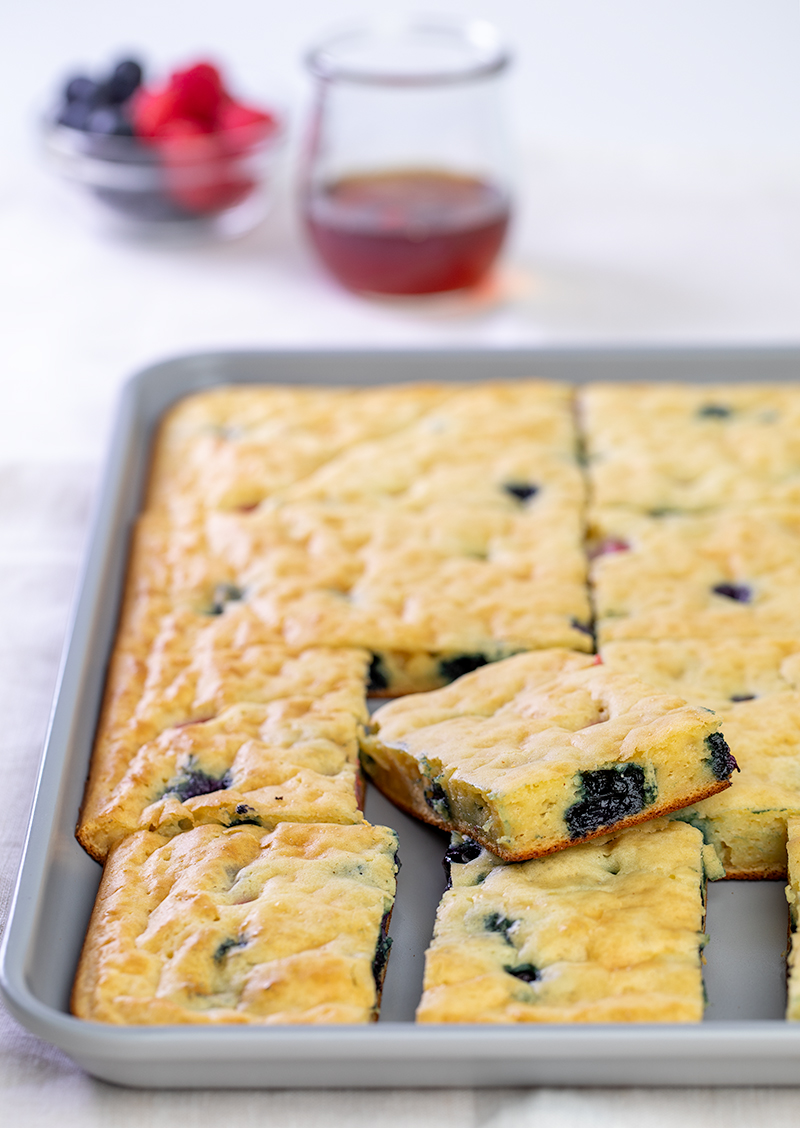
column 405, row 188
column 413, row 231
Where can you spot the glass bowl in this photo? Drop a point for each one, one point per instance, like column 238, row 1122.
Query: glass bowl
column 214, row 184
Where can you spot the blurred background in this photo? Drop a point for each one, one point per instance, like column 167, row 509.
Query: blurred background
column 657, row 196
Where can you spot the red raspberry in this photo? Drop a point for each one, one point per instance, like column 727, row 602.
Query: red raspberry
column 151, row 110
column 200, row 175
column 241, row 126
column 199, row 92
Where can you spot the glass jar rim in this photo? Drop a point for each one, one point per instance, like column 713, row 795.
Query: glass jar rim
column 482, row 53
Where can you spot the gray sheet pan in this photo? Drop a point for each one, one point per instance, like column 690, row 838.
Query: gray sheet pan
column 742, row 1042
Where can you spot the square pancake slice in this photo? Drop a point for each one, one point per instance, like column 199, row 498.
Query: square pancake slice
column 730, row 574
column 755, row 689
column 543, row 750
column 212, row 724
column 232, row 447
column 425, row 592
column 608, row 931
column 691, row 446
column 238, row 926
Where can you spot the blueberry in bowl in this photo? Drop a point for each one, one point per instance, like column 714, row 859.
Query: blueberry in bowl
column 180, row 155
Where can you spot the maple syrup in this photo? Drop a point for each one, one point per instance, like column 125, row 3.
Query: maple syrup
column 414, row 231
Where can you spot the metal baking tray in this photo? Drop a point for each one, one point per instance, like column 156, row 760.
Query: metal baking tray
column 743, row 1040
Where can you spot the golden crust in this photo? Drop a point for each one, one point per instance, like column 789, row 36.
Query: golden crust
column 444, row 580
column 605, row 932
column 660, row 578
column 232, row 925
column 692, row 446
column 207, row 699
column 754, row 689
column 233, row 447
column 505, row 754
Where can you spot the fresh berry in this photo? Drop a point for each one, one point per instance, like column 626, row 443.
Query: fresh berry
column 152, row 110
column 241, row 126
column 110, row 120
column 82, row 89
column 75, row 115
column 199, row 93
column 235, row 115
column 126, row 77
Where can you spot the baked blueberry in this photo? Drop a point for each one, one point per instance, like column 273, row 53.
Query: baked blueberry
column 609, row 545
column 228, row 946
column 720, row 758
column 526, row 972
column 377, row 678
column 714, row 411
column 460, row 854
column 452, row 668
column 436, row 799
column 245, row 816
column 743, row 697
column 609, row 795
column 382, row 949
column 224, row 594
column 740, row 593
column 577, row 625
column 193, row 782
column 522, row 491
column 496, row 922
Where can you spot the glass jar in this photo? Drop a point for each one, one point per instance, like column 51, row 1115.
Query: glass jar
column 406, row 181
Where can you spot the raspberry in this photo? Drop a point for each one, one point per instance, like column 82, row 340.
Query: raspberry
column 199, row 132
column 199, row 93
column 200, row 175
column 235, row 115
column 241, row 126
column 152, row 110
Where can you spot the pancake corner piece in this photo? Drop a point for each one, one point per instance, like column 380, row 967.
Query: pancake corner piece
column 542, row 751
column 234, row 925
column 609, row 931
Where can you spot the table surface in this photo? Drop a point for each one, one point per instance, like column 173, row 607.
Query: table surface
column 613, row 242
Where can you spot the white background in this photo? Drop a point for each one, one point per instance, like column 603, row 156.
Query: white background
column 658, row 197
